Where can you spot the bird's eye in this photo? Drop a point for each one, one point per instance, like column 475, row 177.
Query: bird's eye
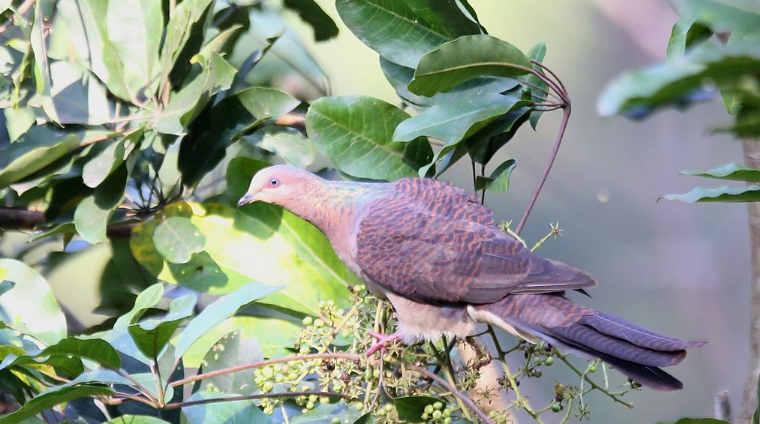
column 274, row 182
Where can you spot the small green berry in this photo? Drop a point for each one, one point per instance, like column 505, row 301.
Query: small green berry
column 592, row 369
column 267, row 372
column 437, row 415
column 321, row 304
column 279, row 378
column 388, row 407
column 425, row 416
column 447, row 412
column 335, row 421
column 267, row 387
column 447, row 420
column 549, row 361
column 324, row 400
column 428, row 409
column 307, row 321
column 376, row 374
column 319, row 323
column 310, row 405
column 556, row 407
column 438, row 405
column 358, row 406
column 312, row 398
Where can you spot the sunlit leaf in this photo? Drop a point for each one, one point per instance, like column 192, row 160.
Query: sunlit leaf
column 152, row 335
column 135, row 29
column 233, row 349
column 309, row 10
column 498, row 182
column 732, row 171
column 177, row 239
column 243, row 411
column 686, row 33
column 356, row 134
column 721, row 194
column 94, row 212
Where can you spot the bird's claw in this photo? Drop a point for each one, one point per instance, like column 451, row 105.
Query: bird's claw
column 382, row 341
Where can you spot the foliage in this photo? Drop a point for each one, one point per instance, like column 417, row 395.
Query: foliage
column 713, row 50
column 138, row 126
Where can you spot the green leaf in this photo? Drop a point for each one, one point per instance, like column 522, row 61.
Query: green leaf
column 325, row 413
column 43, row 11
column 391, row 28
column 721, row 194
column 50, row 399
column 732, row 171
column 147, row 299
column 242, row 411
column 686, row 34
column 445, row 16
column 97, row 169
column 722, row 16
column 135, row 29
column 78, row 98
column 698, row 421
column 30, row 306
column 323, row 25
column 498, row 182
column 356, row 133
column 189, row 16
column 94, row 212
column 232, row 350
column 71, row 347
column 218, row 126
column 451, row 122
column 152, row 335
column 411, row 408
column 367, row 418
column 218, row 312
column 680, row 83
column 466, row 58
column 537, row 53
column 287, row 143
column 177, row 239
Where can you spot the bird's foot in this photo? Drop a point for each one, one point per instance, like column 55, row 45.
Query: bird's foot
column 382, row 341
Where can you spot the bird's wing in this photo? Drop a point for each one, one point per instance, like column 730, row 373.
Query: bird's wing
column 442, row 198
column 435, row 258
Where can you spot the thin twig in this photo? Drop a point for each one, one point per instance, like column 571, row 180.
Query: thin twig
column 594, row 386
column 552, row 157
column 20, row 11
column 466, row 400
column 223, row 371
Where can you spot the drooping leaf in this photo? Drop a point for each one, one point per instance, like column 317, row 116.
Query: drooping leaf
column 218, row 312
column 452, row 121
column 466, row 58
column 498, row 182
column 30, row 305
column 732, row 171
column 152, row 335
column 177, row 239
column 287, row 143
column 356, row 134
column 686, row 34
column 43, row 11
column 309, row 10
column 50, row 399
column 190, row 16
column 721, row 194
column 694, row 78
column 391, row 28
column 95, row 350
column 243, row 411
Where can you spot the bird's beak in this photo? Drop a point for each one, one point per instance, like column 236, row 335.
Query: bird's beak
column 248, row 198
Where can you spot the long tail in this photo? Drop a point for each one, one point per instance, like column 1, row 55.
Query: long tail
column 633, row 350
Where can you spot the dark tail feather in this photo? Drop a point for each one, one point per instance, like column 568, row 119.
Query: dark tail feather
column 633, row 350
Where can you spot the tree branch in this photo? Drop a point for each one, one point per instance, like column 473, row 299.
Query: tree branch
column 250, row 397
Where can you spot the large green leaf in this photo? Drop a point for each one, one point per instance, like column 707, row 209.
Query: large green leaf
column 71, row 347
column 152, row 335
column 218, row 312
column 732, row 171
column 287, row 143
column 464, row 59
column 48, row 400
column 445, row 16
column 77, row 96
column 391, row 28
column 189, row 16
column 39, row 147
column 97, row 169
column 698, row 421
column 721, row 194
column 30, row 305
column 452, row 121
column 722, row 16
column 686, row 33
column 88, row 31
column 43, row 11
column 411, row 408
column 356, row 134
column 177, row 239
column 243, row 411
column 135, row 29
column 309, row 10
column 136, row 419
column 681, row 82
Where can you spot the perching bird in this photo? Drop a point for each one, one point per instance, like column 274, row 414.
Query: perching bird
column 434, row 252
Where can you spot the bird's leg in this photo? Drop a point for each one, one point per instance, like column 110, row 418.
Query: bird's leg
column 382, row 340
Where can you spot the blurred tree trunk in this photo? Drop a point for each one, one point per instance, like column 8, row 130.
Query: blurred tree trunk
column 752, row 159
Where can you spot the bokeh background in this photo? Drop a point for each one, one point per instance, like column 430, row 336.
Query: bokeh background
column 680, row 269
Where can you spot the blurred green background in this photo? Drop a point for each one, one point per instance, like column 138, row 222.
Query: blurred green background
column 679, row 269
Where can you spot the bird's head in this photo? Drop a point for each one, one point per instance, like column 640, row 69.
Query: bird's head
column 281, row 185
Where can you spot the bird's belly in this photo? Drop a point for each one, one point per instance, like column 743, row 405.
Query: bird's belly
column 421, row 322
